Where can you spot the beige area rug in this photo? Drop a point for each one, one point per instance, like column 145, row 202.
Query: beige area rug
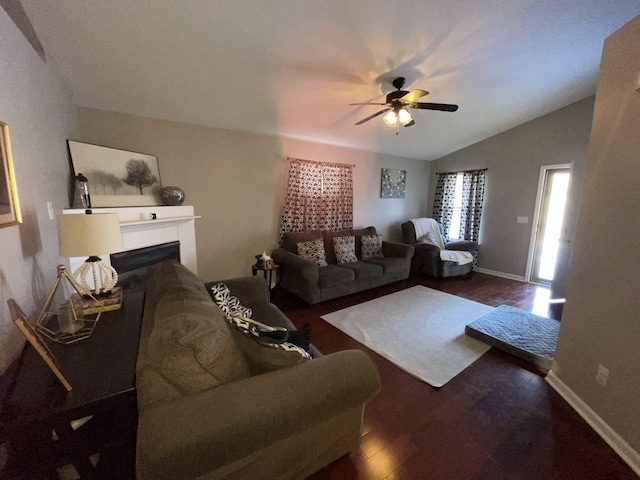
column 419, row 329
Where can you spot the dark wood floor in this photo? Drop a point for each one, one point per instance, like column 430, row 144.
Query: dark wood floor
column 498, row 419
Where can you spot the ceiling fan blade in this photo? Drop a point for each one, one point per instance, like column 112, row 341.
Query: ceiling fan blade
column 373, row 116
column 410, row 124
column 367, row 103
column 443, row 107
column 414, row 95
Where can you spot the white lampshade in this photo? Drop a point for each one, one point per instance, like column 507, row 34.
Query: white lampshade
column 82, row 235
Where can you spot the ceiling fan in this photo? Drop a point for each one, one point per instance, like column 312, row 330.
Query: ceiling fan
column 398, row 104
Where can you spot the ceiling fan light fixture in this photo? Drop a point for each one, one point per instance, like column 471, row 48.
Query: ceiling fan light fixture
column 391, row 118
column 404, row 116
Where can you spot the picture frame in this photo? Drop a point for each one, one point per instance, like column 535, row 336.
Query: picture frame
column 9, row 205
column 116, row 178
column 393, row 183
column 32, row 336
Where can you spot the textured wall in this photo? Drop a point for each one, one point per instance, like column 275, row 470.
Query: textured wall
column 236, row 181
column 601, row 318
column 36, row 106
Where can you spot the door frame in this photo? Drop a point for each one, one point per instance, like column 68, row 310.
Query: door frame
column 538, row 210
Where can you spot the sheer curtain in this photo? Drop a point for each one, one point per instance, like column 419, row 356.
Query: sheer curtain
column 472, row 198
column 443, row 199
column 319, row 197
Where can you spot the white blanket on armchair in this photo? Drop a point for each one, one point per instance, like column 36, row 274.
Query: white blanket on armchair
column 428, row 231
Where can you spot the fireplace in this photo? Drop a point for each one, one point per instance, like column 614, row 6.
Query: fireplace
column 143, row 229
column 134, row 267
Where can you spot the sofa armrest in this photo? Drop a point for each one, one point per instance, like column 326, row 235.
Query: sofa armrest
column 391, row 249
column 193, row 435
column 296, row 265
column 462, row 245
column 427, row 250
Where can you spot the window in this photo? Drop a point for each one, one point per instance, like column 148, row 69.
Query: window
column 456, row 217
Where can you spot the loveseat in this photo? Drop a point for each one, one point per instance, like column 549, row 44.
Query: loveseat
column 314, row 283
column 209, row 409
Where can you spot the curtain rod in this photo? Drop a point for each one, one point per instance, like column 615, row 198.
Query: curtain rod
column 463, row 171
column 322, row 163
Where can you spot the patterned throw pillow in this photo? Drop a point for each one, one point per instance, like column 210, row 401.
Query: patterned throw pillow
column 371, row 246
column 313, row 250
column 264, row 355
column 345, row 249
column 229, row 304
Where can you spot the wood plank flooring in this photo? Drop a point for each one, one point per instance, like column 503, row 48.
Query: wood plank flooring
column 498, row 419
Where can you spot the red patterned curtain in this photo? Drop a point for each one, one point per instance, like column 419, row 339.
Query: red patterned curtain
column 319, row 197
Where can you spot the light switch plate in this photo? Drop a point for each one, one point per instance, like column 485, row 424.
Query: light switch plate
column 522, row 219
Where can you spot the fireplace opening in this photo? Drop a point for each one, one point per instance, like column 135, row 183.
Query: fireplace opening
column 134, row 267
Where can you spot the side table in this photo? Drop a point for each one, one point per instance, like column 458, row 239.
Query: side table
column 101, row 370
column 267, row 272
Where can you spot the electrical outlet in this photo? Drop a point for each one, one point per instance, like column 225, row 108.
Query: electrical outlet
column 602, row 375
column 50, row 210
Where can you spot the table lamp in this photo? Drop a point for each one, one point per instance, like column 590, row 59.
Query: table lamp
column 90, row 235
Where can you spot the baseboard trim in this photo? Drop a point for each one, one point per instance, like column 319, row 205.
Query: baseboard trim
column 510, row 276
column 602, row 428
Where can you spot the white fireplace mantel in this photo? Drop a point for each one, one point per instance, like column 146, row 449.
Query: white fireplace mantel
column 140, row 229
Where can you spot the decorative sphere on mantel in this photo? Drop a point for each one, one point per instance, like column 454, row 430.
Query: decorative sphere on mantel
column 172, row 196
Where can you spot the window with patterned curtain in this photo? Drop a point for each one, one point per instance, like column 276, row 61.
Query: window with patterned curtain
column 319, row 197
column 443, row 199
column 472, row 198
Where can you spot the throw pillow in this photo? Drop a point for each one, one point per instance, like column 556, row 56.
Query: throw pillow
column 313, row 250
column 371, row 246
column 229, row 304
column 345, row 249
column 264, row 354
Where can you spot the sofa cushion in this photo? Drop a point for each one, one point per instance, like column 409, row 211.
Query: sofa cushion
column 345, row 249
column 364, row 269
column 191, row 345
column 388, row 264
column 313, row 250
column 371, row 246
column 333, row 275
column 328, row 243
column 290, row 240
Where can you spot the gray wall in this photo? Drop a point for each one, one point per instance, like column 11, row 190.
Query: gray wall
column 601, row 318
column 36, row 106
column 236, row 181
column 513, row 159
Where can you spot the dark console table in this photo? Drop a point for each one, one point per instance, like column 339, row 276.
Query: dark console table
column 37, row 413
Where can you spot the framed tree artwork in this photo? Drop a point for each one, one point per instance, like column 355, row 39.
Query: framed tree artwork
column 9, row 206
column 117, row 178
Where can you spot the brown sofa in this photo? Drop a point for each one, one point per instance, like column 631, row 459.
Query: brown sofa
column 208, row 410
column 315, row 284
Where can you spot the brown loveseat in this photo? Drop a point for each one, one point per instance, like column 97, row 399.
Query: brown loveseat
column 315, row 284
column 209, row 410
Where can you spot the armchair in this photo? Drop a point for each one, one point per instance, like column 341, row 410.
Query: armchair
column 427, row 259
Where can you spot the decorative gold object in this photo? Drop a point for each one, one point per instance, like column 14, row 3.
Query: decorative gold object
column 62, row 318
column 21, row 321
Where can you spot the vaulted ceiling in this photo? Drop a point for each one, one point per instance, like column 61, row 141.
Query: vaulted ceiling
column 291, row 68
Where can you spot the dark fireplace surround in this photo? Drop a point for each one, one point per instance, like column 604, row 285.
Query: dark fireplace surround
column 134, row 266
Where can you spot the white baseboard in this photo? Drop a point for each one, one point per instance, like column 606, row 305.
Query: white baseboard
column 602, row 428
column 519, row 278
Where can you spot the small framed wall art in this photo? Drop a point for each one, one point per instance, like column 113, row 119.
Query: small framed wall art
column 9, row 206
column 393, row 183
column 117, row 178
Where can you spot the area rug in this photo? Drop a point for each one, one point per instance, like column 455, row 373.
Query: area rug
column 419, row 329
column 523, row 334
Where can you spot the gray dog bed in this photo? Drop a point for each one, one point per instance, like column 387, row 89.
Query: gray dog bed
column 519, row 333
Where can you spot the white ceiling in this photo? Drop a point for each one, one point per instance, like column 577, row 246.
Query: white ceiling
column 291, row 68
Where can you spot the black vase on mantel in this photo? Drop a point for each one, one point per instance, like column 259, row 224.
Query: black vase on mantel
column 172, row 196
